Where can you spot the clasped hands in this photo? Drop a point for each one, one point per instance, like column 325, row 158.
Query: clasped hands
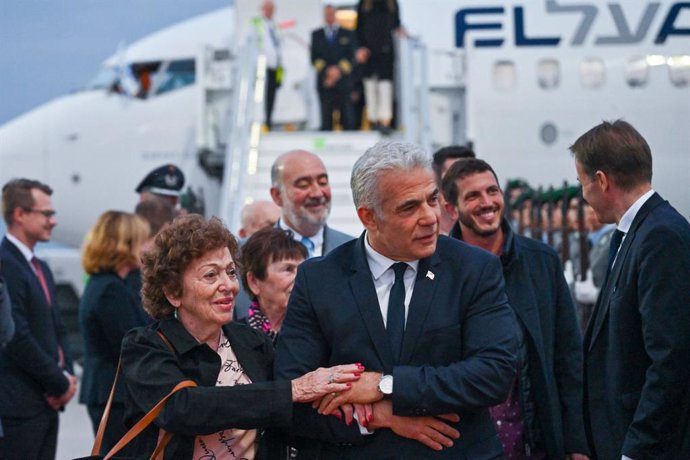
column 364, row 398
column 333, row 75
column 58, row 402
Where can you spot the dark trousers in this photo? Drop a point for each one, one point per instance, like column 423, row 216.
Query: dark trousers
column 332, row 98
column 271, row 87
column 115, row 429
column 30, row 438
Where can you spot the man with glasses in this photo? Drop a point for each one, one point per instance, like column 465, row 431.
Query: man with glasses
column 36, row 366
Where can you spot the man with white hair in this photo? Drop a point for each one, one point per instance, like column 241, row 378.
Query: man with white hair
column 427, row 316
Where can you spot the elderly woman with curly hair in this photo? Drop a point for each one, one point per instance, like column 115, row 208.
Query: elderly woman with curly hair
column 270, row 258
column 107, row 310
column 189, row 287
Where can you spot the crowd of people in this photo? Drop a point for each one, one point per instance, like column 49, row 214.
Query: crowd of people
column 354, row 68
column 448, row 329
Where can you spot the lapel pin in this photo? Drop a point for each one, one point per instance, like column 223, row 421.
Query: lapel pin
column 430, row 275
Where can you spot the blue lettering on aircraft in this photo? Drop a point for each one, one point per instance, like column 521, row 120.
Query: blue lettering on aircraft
column 491, row 19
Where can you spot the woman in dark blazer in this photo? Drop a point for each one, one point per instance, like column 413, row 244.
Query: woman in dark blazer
column 189, row 286
column 107, row 310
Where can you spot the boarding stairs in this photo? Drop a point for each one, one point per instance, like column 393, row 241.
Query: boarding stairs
column 242, row 154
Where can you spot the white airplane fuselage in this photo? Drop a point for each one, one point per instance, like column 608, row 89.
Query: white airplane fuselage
column 94, row 146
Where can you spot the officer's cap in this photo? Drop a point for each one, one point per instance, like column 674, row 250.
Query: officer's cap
column 165, row 180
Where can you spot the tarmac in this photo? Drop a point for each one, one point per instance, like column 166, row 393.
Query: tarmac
column 75, row 435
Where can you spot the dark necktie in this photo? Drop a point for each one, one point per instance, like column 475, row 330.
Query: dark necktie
column 41, row 278
column 614, row 244
column 395, row 323
column 331, row 35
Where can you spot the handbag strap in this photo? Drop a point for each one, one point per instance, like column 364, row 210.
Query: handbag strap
column 145, row 421
column 106, row 414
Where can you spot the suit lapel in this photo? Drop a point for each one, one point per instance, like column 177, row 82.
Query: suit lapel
column 602, row 305
column 325, row 246
column 30, row 274
column 420, row 303
column 362, row 287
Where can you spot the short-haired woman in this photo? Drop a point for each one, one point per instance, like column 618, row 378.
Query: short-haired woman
column 270, row 258
column 189, row 287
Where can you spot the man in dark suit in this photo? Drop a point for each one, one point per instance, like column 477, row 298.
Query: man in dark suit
column 333, row 55
column 36, row 366
column 426, row 315
column 637, row 343
column 542, row 416
column 6, row 327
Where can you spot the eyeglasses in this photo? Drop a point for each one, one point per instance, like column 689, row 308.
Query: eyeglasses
column 47, row 213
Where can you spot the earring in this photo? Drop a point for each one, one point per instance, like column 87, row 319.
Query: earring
column 175, row 313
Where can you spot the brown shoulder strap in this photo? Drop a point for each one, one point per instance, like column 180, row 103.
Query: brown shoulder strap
column 145, row 421
column 165, row 339
column 106, row 415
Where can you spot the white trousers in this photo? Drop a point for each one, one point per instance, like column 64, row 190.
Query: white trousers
column 379, row 99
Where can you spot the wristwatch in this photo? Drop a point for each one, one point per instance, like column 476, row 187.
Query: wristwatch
column 386, row 385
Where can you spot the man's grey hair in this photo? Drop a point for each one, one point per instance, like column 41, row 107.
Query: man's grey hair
column 385, row 157
column 275, row 175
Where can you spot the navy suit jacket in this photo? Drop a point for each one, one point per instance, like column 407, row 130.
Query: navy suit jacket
column 107, row 310
column 29, row 364
column 637, row 344
column 459, row 350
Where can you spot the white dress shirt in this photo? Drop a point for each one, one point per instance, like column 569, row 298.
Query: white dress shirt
column 270, row 48
column 628, row 218
column 384, row 277
column 24, row 249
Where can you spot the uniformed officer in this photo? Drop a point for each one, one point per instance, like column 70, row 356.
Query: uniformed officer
column 163, row 182
column 332, row 55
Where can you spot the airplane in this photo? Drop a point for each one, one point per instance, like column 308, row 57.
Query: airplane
column 518, row 80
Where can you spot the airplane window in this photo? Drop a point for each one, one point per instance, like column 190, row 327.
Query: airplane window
column 679, row 70
column 505, row 76
column 177, row 75
column 592, row 73
column 104, row 79
column 637, row 72
column 548, row 73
